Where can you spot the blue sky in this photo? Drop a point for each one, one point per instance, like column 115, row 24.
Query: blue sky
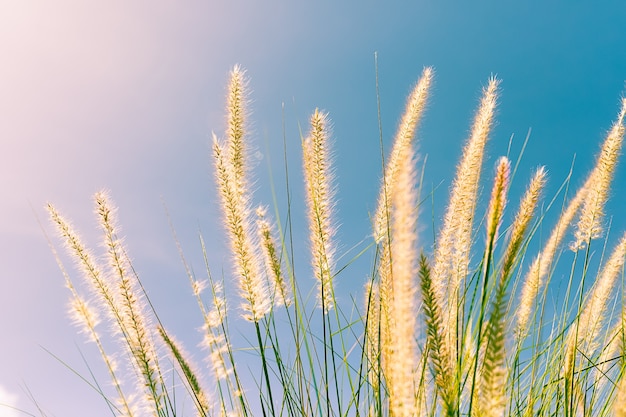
column 124, row 96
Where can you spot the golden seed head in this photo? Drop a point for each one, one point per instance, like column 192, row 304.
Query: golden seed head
column 536, row 274
column 451, row 260
column 403, row 140
column 320, row 201
column 592, row 212
column 498, row 197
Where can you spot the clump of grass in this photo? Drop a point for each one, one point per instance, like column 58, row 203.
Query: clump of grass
column 464, row 330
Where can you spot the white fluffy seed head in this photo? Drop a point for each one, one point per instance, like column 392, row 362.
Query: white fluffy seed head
column 592, row 212
column 320, row 192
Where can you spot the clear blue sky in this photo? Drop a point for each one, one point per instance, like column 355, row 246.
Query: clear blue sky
column 124, row 95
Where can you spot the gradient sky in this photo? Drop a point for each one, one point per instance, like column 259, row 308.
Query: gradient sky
column 123, row 95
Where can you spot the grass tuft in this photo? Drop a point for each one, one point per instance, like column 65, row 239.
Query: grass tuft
column 462, row 330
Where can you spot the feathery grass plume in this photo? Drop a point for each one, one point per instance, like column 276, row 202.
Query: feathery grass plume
column 440, row 365
column 492, row 400
column 213, row 341
column 84, row 316
column 236, row 102
column 403, row 142
column 104, row 292
column 492, row 374
column 404, row 360
column 522, row 219
column 280, row 289
column 454, row 236
column 453, row 244
column 602, row 173
column 590, row 223
column 87, row 318
column 216, row 316
column 534, row 278
column 134, row 322
column 236, row 212
column 498, row 201
column 232, row 182
column 217, row 346
column 318, row 176
column 582, row 335
column 93, row 276
column 199, row 397
column 84, row 260
column 404, row 138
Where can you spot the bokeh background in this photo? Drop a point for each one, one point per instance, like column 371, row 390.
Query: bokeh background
column 124, row 95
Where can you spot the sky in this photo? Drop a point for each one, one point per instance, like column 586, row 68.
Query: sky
column 124, row 96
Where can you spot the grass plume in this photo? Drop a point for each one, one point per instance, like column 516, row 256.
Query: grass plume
column 592, row 211
column 232, row 181
column 451, row 259
column 319, row 191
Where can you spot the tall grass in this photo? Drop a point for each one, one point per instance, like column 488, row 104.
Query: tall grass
column 466, row 328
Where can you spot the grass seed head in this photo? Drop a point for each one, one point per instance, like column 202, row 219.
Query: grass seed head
column 320, row 192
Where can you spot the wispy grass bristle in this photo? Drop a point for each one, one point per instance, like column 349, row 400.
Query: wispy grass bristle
column 273, row 265
column 198, row 394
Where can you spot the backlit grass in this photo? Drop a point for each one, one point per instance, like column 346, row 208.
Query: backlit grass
column 458, row 329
